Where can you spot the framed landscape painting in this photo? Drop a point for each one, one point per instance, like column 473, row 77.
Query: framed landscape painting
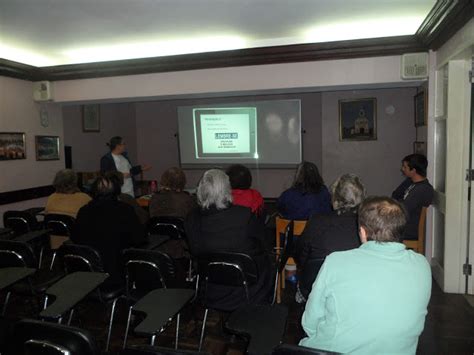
column 358, row 120
column 47, row 148
column 91, row 118
column 12, row 146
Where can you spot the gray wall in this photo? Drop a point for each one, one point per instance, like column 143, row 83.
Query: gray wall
column 88, row 147
column 376, row 162
column 150, row 128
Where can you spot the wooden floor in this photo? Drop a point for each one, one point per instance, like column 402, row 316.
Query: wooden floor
column 449, row 327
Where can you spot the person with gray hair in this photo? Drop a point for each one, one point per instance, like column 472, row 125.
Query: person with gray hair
column 326, row 233
column 219, row 226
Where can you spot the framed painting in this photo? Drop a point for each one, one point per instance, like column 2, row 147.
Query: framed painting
column 419, row 148
column 91, row 118
column 420, row 109
column 47, row 147
column 12, row 146
column 358, row 120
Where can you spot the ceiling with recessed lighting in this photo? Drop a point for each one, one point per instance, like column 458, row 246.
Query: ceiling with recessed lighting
column 56, row 32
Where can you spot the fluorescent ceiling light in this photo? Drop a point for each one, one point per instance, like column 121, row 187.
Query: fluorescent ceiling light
column 152, row 49
column 25, row 56
column 382, row 27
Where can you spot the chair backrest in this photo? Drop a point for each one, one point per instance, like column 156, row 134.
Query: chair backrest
column 228, row 269
column 146, row 270
column 80, row 258
column 14, row 253
column 286, row 349
column 419, row 244
column 167, row 225
column 287, row 228
column 36, row 337
column 20, row 222
column 59, row 224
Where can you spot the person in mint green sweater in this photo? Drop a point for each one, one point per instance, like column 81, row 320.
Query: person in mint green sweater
column 370, row 300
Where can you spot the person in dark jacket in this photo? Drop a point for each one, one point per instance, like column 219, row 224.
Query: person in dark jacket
column 117, row 160
column 220, row 226
column 308, row 194
column 327, row 233
column 109, row 226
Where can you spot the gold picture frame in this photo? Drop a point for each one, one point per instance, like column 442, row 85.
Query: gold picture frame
column 358, row 119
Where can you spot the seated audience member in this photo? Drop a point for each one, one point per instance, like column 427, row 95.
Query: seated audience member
column 109, row 226
column 171, row 200
column 373, row 299
column 67, row 199
column 141, row 213
column 415, row 192
column 307, row 196
column 242, row 195
column 335, row 231
column 220, row 226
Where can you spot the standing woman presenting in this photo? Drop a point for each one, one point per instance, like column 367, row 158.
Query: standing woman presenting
column 117, row 160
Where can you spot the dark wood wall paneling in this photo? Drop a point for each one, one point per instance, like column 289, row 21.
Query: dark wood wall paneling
column 446, row 17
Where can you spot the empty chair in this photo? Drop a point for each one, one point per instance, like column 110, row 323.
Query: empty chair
column 231, row 270
column 37, row 337
column 20, row 254
column 286, row 349
column 60, row 227
column 84, row 258
column 20, row 222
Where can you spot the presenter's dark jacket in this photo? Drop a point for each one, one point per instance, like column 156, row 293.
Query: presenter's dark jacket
column 109, row 226
column 234, row 229
column 414, row 196
column 107, row 163
column 324, row 234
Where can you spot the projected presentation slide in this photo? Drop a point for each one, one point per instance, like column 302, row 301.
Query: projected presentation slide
column 225, row 132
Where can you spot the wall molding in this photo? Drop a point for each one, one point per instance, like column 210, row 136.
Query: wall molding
column 446, row 17
column 25, row 194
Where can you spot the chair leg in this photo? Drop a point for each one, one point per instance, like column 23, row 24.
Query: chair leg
column 70, row 317
column 152, row 341
column 40, row 261
column 203, row 329
column 127, row 328
column 177, row 331
column 5, row 303
column 52, row 260
column 45, row 303
column 112, row 313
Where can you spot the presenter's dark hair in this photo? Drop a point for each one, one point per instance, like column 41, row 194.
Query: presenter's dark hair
column 173, row 179
column 105, row 187
column 417, row 162
column 383, row 218
column 239, row 176
column 114, row 142
column 307, row 178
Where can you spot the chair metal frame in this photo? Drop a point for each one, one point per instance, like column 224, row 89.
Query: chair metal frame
column 47, row 344
column 49, row 221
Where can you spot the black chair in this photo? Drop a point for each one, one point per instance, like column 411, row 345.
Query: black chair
column 20, row 254
column 146, row 270
column 20, row 222
column 33, row 337
column 84, row 258
column 225, row 269
column 58, row 225
column 308, row 275
column 286, row 349
column 156, row 350
column 172, row 227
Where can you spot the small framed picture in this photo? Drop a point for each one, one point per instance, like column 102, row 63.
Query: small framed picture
column 12, row 146
column 47, row 147
column 358, row 120
column 419, row 148
column 91, row 118
column 420, row 109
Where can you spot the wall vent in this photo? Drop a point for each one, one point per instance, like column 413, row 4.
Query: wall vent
column 414, row 66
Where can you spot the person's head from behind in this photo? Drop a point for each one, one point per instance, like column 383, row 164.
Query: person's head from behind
column 307, row 178
column 381, row 219
column 214, row 190
column 105, row 187
column 65, row 182
column 347, row 193
column 239, row 176
column 115, row 176
column 173, row 179
column 116, row 145
column 414, row 164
